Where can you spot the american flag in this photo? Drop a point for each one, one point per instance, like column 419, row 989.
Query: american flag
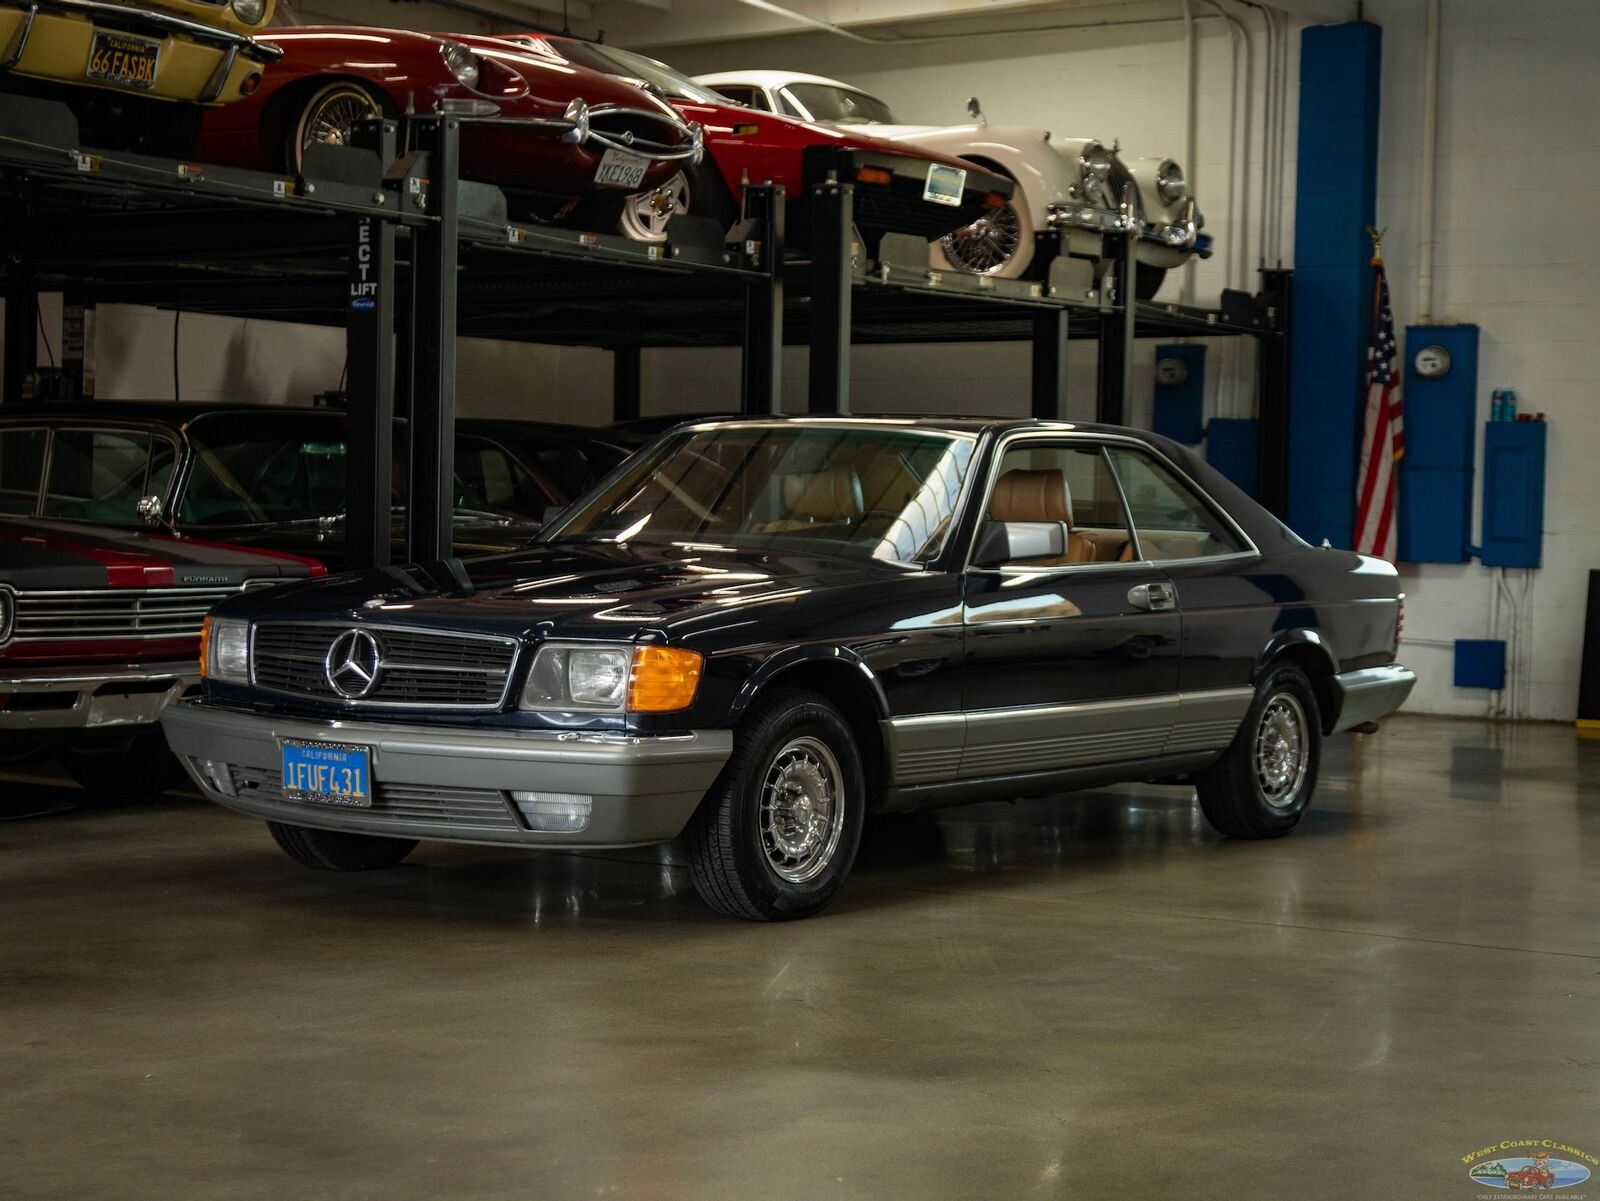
column 1383, row 437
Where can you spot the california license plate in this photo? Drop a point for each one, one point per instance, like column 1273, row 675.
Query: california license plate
column 123, row 59
column 327, row 773
column 945, row 184
column 619, row 169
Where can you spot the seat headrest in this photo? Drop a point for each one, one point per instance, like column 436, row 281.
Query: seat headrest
column 832, row 494
column 1023, row 495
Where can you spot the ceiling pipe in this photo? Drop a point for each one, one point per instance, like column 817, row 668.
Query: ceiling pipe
column 1430, row 164
column 966, row 35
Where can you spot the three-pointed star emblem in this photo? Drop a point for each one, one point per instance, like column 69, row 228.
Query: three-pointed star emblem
column 353, row 663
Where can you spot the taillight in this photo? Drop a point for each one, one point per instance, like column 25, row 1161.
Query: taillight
column 1399, row 620
column 875, row 175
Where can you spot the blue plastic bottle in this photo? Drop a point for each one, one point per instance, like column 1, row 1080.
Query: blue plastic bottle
column 1496, row 405
column 1510, row 402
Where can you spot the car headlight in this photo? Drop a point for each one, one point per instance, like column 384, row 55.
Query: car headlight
column 461, row 63
column 1170, row 182
column 225, row 650
column 605, row 678
column 1096, row 162
column 8, row 614
column 249, row 11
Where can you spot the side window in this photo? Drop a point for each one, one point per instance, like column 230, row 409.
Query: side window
column 98, row 475
column 739, row 94
column 21, row 465
column 487, row 478
column 1070, row 486
column 1172, row 521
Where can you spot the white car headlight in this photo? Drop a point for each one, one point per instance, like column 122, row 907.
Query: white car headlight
column 249, row 11
column 225, row 650
column 8, row 614
column 461, row 63
column 578, row 676
column 1170, row 182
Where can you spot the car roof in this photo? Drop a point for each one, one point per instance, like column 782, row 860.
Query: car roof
column 169, row 411
column 968, row 424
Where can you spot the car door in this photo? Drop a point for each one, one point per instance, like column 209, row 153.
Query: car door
column 1071, row 659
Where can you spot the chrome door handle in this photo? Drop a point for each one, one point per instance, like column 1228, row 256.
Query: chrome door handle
column 1154, row 598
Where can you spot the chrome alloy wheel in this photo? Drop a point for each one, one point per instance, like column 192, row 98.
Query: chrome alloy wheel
column 645, row 214
column 987, row 245
column 334, row 115
column 1282, row 750
column 802, row 809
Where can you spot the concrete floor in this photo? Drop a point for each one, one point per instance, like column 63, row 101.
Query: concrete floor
column 1086, row 997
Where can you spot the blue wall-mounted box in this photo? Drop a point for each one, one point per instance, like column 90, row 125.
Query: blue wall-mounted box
column 1232, row 448
column 1480, row 663
column 1441, row 419
column 1180, row 407
column 1513, row 493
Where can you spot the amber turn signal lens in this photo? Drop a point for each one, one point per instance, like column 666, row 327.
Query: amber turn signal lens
column 664, row 679
column 250, row 84
column 873, row 175
column 205, row 639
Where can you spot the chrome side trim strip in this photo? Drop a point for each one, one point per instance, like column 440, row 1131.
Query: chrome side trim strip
column 937, row 748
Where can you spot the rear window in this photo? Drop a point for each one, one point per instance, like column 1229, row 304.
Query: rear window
column 839, row 106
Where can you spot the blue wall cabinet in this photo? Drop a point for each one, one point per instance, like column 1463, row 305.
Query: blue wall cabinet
column 1180, row 400
column 1441, row 418
column 1513, row 493
column 1233, row 448
column 1480, row 663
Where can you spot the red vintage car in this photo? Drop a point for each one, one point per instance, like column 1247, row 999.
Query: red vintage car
column 898, row 187
column 551, row 134
column 1535, row 1175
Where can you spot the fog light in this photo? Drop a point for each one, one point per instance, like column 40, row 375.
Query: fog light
column 216, row 775
column 554, row 812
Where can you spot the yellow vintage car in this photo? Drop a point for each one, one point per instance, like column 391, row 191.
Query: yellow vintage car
column 183, row 50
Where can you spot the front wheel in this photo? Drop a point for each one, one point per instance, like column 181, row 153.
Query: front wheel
column 337, row 850
column 999, row 244
column 1262, row 785
column 779, row 830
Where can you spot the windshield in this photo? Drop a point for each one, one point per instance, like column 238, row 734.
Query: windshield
column 610, row 61
column 860, row 492
column 839, row 106
column 100, row 475
column 260, row 469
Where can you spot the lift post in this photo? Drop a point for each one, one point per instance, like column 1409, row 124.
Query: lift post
column 832, row 279
column 1051, row 328
column 435, row 255
column 21, row 333
column 627, row 371
column 369, row 355
column 1273, row 368
column 1114, row 377
column 762, row 384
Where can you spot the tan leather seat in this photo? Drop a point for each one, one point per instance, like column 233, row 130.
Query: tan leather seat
column 831, row 496
column 1024, row 495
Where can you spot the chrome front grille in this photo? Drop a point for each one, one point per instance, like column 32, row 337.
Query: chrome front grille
column 461, row 809
column 104, row 614
column 421, row 669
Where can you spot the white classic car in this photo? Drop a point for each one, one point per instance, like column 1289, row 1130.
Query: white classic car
column 1070, row 185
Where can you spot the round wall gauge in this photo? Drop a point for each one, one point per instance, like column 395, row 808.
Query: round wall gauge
column 1171, row 373
column 1432, row 362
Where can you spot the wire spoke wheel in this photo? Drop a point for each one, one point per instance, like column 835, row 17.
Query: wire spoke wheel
column 802, row 809
column 1282, row 750
column 333, row 114
column 645, row 214
column 987, row 245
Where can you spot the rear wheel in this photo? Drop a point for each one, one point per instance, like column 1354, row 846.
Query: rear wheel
column 777, row 834
column 339, row 851
column 1262, row 785
column 329, row 115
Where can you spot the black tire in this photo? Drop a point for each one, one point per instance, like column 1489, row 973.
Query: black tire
column 141, row 765
column 302, row 114
column 1237, row 792
column 707, row 197
column 735, row 864
column 338, row 851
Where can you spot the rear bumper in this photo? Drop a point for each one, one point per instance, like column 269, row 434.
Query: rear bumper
column 91, row 698
column 903, row 205
column 52, row 39
column 1369, row 694
column 455, row 784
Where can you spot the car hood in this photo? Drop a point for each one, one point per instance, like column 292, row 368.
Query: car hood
column 61, row 555
column 573, row 590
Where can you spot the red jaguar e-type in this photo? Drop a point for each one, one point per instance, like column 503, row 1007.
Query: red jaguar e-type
column 552, row 132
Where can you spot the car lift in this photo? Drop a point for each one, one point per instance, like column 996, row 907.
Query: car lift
column 381, row 241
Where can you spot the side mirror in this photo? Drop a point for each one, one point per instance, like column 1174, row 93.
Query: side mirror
column 149, row 510
column 1003, row 542
column 974, row 109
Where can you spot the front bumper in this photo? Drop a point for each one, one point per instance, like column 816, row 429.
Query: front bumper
column 454, row 784
column 53, row 39
column 1370, row 693
column 90, row 698
column 1156, row 245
